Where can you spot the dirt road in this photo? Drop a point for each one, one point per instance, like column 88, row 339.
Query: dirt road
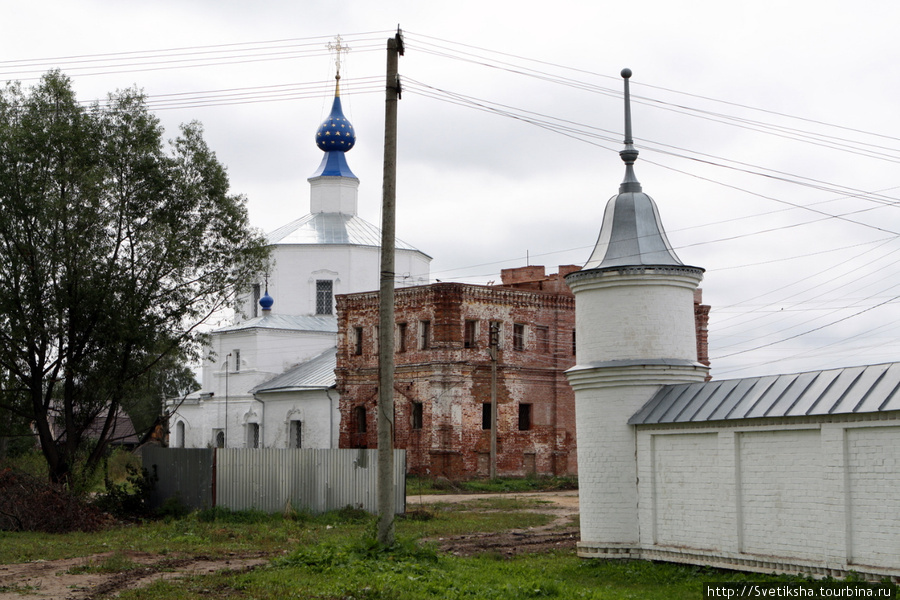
column 559, row 534
column 64, row 579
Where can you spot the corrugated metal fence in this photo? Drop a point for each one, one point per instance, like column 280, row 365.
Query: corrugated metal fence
column 268, row 478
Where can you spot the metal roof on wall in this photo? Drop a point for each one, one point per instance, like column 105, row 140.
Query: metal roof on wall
column 331, row 228
column 850, row 390
column 324, row 324
column 318, row 372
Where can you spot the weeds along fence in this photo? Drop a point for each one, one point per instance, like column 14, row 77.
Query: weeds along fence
column 268, row 479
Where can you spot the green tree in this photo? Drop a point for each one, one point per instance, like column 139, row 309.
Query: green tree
column 15, row 434
column 172, row 379
column 115, row 247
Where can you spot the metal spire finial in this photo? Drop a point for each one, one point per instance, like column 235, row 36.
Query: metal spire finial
column 338, row 47
column 629, row 154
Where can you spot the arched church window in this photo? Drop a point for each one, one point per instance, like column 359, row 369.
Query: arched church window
column 253, row 435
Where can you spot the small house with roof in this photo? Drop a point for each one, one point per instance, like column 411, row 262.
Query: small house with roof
column 794, row 473
column 268, row 379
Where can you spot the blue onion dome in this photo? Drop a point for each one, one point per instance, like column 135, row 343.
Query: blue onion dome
column 266, row 301
column 336, row 132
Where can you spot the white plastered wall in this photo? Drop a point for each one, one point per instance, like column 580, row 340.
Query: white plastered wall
column 815, row 498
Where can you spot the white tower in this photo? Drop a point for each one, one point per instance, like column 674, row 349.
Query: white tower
column 634, row 323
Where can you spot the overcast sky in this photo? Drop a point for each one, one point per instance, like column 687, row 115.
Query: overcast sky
column 769, row 135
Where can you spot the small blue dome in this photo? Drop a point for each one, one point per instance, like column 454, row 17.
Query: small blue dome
column 266, row 301
column 336, row 132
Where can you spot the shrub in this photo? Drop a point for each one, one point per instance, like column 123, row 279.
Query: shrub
column 128, row 499
column 28, row 503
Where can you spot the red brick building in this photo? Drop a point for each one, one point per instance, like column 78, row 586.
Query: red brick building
column 443, row 374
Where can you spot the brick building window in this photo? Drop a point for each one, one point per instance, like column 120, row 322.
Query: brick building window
column 359, row 414
column 324, row 296
column 470, row 334
column 401, row 337
column 542, row 334
column 416, row 416
column 358, row 341
column 424, row 335
column 524, row 417
column 486, row 415
column 518, row 336
column 296, row 434
column 573, row 342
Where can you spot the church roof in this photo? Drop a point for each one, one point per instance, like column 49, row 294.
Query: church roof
column 632, row 233
column 850, row 390
column 331, row 228
column 317, row 372
column 324, row 324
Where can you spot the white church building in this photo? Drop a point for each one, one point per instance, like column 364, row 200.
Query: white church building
column 268, row 379
column 794, row 473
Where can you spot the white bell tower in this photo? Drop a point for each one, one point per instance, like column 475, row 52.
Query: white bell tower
column 635, row 331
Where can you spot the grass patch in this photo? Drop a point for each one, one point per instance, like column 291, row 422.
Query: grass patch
column 220, row 532
column 18, row 589
column 416, row 486
column 526, row 484
column 114, row 563
column 407, row 571
column 333, row 556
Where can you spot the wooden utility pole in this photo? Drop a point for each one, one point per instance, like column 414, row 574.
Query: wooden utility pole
column 385, row 488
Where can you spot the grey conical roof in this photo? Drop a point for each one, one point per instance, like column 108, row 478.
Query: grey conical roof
column 632, row 233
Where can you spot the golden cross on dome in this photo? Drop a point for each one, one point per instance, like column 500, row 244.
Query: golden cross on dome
column 338, row 47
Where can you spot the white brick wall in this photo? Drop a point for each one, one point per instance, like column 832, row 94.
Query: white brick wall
column 780, row 475
column 635, row 317
column 606, row 465
column 873, row 468
column 687, row 498
column 640, row 316
column 811, row 498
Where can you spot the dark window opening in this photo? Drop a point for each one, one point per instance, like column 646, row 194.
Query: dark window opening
column 470, row 334
column 401, row 337
column 296, row 434
column 324, row 297
column 573, row 342
column 486, row 415
column 424, row 335
column 220, row 439
column 518, row 336
column 358, row 341
column 253, row 435
column 360, row 419
column 417, row 415
column 524, row 417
